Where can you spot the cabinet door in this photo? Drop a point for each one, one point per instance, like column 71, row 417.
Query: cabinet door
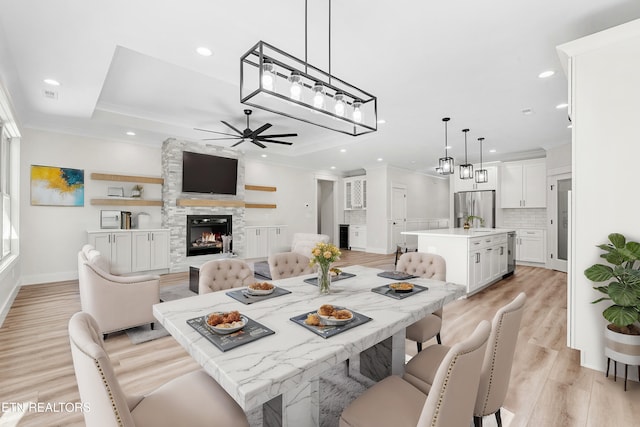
column 502, row 250
column 475, row 271
column 257, row 242
column 534, row 185
column 102, row 243
column 348, row 190
column 511, row 189
column 364, row 194
column 159, row 250
column 356, row 194
column 460, row 184
column 141, row 251
column 277, row 238
column 496, row 258
column 531, row 249
column 485, row 265
column 121, row 253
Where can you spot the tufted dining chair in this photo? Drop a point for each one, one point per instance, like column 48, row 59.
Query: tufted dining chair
column 496, row 368
column 216, row 275
column 431, row 266
column 193, row 399
column 289, row 264
column 396, row 402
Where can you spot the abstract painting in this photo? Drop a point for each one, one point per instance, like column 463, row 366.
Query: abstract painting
column 53, row 186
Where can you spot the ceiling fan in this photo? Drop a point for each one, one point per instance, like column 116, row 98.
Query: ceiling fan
column 253, row 135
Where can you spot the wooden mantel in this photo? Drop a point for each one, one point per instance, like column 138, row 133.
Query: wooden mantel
column 223, row 203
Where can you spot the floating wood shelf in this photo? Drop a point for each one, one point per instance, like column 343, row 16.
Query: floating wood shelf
column 260, row 206
column 259, row 188
column 126, row 202
column 127, row 178
column 209, row 202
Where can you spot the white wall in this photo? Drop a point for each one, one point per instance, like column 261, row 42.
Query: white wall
column 51, row 236
column 558, row 158
column 427, row 196
column 605, row 111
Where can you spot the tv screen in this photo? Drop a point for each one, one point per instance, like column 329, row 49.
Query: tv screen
column 203, row 173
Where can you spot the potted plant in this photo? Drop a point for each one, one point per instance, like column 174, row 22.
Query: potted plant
column 469, row 220
column 622, row 288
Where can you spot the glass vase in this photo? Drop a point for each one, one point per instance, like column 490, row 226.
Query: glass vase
column 324, row 278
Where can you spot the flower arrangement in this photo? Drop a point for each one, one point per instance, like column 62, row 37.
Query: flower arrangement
column 324, row 254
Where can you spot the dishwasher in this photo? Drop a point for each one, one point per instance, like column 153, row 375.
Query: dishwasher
column 511, row 254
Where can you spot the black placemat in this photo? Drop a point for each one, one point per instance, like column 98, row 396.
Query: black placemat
column 252, row 331
column 396, row 275
column 387, row 291
column 244, row 297
column 331, row 330
column 314, row 280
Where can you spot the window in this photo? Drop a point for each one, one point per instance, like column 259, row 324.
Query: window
column 5, row 196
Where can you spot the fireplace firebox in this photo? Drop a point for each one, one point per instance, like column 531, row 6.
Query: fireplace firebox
column 208, row 234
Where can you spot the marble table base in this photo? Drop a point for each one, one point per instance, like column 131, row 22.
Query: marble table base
column 299, row 407
column 385, row 358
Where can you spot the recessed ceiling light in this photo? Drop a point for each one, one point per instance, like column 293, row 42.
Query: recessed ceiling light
column 493, row 150
column 545, row 74
column 527, row 111
column 570, row 126
column 204, row 51
column 561, row 106
column 333, row 167
column 343, row 150
column 131, row 133
column 448, row 147
column 382, row 121
column 52, row 82
column 379, row 159
column 263, row 155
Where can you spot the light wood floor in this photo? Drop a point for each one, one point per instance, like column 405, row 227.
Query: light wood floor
column 548, row 386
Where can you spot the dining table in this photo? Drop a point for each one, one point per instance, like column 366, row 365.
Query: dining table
column 280, row 371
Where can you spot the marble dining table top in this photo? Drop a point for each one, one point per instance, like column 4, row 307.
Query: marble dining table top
column 260, row 370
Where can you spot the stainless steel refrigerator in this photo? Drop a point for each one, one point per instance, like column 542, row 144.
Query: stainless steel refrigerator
column 478, row 203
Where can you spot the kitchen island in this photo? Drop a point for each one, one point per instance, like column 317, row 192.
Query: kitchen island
column 475, row 258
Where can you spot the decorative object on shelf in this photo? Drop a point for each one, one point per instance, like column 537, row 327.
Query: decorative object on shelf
column 137, row 191
column 466, row 169
column 324, row 254
column 274, row 80
column 252, row 135
column 622, row 335
column 115, row 192
column 109, row 219
column 445, row 164
column 482, row 175
column 55, row 186
column 469, row 220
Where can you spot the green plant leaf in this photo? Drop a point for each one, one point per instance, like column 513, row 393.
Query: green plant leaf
column 615, row 257
column 603, row 289
column 599, row 273
column 606, row 247
column 622, row 294
column 634, row 247
column 620, row 316
column 617, row 239
column 600, row 299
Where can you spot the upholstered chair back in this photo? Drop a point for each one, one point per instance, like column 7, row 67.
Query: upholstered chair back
column 496, row 369
column 303, row 243
column 98, row 385
column 216, row 275
column 421, row 264
column 453, row 393
column 289, row 264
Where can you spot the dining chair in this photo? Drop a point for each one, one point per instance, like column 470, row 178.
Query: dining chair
column 216, row 275
column 496, row 368
column 396, row 402
column 193, row 399
column 289, row 264
column 431, row 266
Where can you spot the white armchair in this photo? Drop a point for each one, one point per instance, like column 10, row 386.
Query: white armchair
column 116, row 302
column 303, row 243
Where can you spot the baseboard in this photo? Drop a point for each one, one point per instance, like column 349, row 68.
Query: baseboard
column 4, row 311
column 36, row 279
column 379, row 251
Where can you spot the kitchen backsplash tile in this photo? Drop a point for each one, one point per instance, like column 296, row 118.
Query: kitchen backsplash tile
column 358, row 216
column 524, row 218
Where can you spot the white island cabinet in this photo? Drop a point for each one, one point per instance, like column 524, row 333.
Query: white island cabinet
column 475, row 258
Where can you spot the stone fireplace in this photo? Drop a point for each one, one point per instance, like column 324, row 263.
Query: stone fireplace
column 208, row 234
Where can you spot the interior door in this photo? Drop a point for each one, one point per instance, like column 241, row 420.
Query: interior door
column 558, row 200
column 398, row 215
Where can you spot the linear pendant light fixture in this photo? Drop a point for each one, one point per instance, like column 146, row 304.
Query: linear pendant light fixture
column 466, row 169
column 445, row 164
column 274, row 80
column 482, row 175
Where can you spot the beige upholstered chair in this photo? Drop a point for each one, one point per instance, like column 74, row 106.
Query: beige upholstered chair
column 496, row 368
column 193, row 400
column 222, row 274
column 116, row 302
column 289, row 264
column 395, row 402
column 303, row 243
column 431, row 266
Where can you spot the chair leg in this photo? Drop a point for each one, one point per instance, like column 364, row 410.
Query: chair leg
column 438, row 338
column 498, row 418
column 609, row 363
column 419, row 345
column 615, row 371
column 153, row 325
column 104, row 336
column 626, row 367
column 477, row 421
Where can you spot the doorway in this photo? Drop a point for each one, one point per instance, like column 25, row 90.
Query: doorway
column 326, row 216
column 558, row 227
column 398, row 215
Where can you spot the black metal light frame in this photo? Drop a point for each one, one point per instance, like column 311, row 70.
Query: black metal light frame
column 445, row 164
column 466, row 169
column 482, row 175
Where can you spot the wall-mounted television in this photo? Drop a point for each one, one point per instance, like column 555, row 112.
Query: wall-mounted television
column 204, row 173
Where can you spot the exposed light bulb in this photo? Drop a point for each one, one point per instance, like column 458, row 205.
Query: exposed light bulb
column 357, row 111
column 296, row 86
column 318, row 97
column 340, row 104
column 268, row 75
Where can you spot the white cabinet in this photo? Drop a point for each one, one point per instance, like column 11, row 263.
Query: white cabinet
column 524, row 184
column 487, row 260
column 358, row 237
column 530, row 246
column 265, row 240
column 150, row 250
column 116, row 247
column 475, row 270
column 459, row 184
column 355, row 193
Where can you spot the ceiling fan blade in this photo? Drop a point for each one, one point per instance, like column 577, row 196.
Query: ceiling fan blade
column 213, row 131
column 276, row 142
column 280, row 135
column 258, row 143
column 239, row 142
column 239, row 133
column 219, row 139
column 260, row 129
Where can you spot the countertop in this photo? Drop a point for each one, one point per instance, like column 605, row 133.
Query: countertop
column 459, row 232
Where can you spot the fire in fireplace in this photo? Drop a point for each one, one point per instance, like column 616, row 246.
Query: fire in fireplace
column 208, row 234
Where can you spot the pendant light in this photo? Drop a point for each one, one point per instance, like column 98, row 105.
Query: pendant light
column 445, row 164
column 466, row 170
column 482, row 175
